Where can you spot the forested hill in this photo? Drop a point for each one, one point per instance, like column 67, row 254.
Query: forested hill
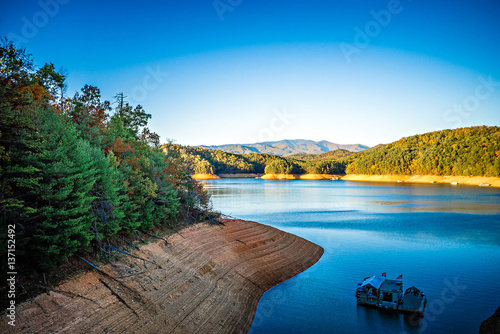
column 207, row 161
column 73, row 179
column 472, row 151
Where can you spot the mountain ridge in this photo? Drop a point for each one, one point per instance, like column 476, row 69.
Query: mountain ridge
column 287, row 147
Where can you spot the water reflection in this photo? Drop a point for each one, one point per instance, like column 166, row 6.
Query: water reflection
column 344, row 195
column 432, row 234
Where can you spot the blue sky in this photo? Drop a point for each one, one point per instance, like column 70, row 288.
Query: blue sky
column 241, row 71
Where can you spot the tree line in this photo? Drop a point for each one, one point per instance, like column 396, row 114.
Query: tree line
column 332, row 155
column 206, row 161
column 76, row 172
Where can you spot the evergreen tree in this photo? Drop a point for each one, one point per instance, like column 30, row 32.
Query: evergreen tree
column 109, row 196
column 67, row 175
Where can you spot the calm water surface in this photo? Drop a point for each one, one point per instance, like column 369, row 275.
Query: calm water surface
column 444, row 239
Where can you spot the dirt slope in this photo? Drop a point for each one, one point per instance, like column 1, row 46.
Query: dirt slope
column 210, row 281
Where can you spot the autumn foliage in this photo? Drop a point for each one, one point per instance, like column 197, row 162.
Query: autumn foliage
column 76, row 173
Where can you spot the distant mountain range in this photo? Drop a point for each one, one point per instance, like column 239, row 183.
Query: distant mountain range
column 287, row 147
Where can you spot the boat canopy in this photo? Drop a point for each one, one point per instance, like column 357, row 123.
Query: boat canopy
column 413, row 290
column 373, row 281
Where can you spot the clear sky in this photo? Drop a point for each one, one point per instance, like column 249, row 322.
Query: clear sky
column 242, row 71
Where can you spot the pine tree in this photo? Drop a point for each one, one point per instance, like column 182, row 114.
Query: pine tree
column 67, row 176
column 108, row 193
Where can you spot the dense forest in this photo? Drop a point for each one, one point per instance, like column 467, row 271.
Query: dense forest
column 206, row 161
column 78, row 173
column 473, row 151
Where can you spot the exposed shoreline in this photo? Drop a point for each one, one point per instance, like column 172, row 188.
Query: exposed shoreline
column 209, row 280
column 267, row 176
column 227, row 176
column 241, row 176
column 300, row 176
column 467, row 180
column 204, row 176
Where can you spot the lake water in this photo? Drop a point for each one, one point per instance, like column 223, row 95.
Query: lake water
column 444, row 239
